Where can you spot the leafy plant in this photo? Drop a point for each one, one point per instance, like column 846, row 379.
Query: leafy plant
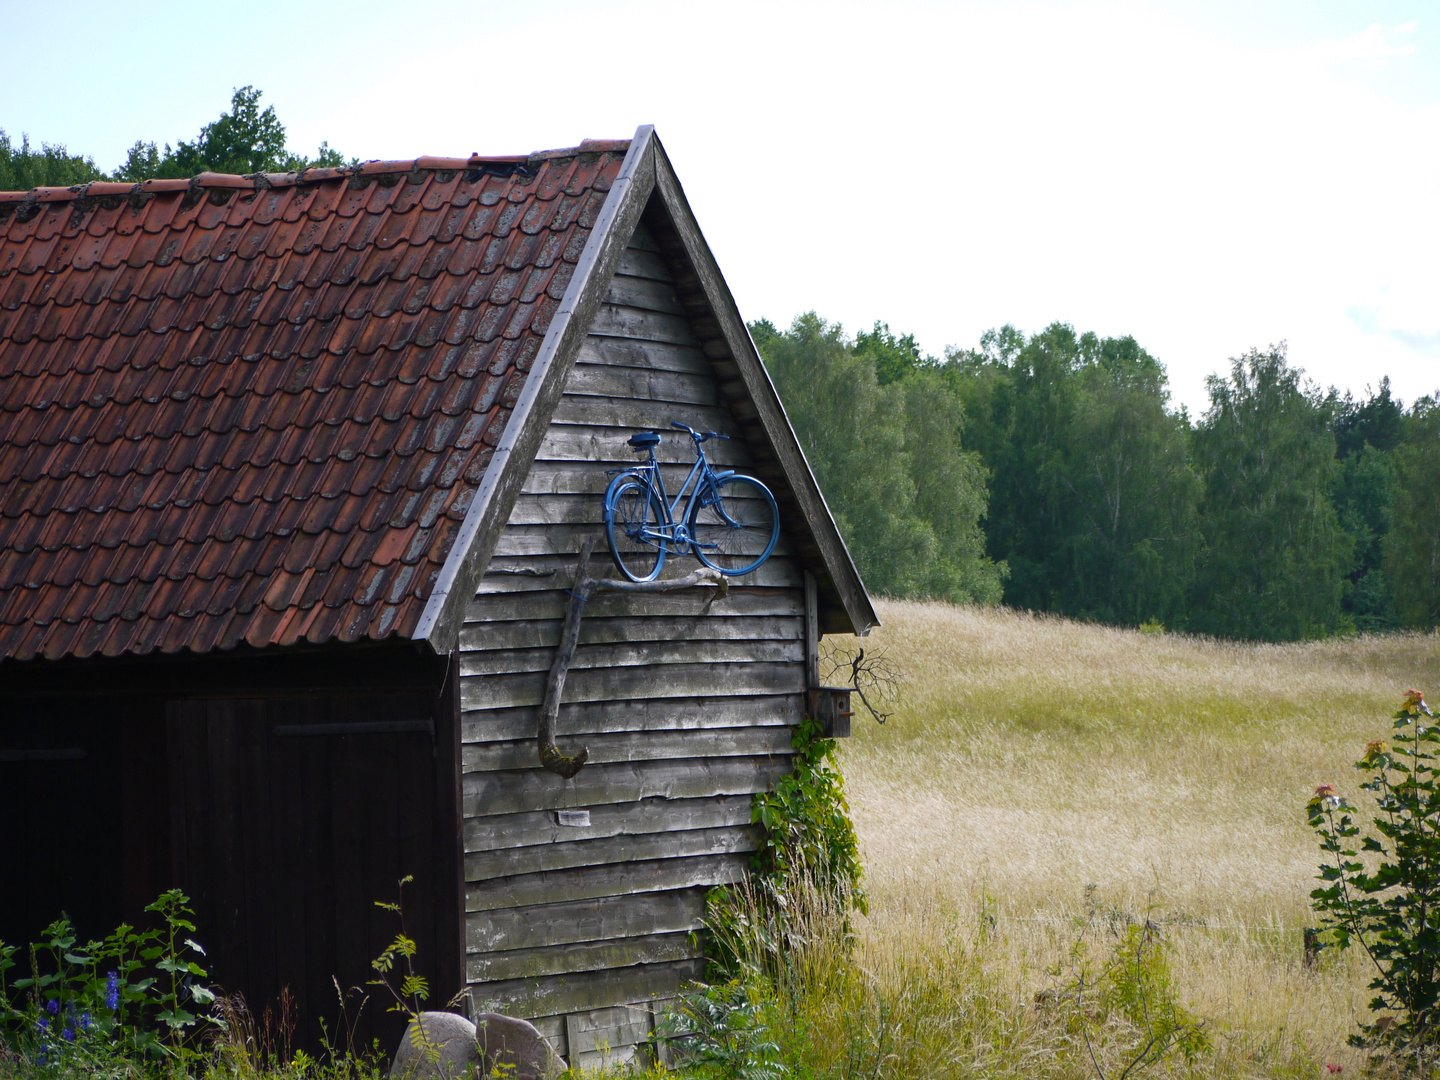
column 808, row 832
column 1390, row 910
column 722, row 1031
column 398, row 960
column 85, row 1005
column 1127, row 1012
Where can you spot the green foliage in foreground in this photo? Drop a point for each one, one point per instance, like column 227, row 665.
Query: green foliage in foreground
column 808, row 832
column 1390, row 909
column 819, row 1009
column 132, row 997
column 136, row 1006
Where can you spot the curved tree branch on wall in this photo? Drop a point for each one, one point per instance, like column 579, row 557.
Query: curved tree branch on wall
column 586, row 586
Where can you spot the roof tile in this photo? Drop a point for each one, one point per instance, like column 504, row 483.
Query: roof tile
column 258, row 415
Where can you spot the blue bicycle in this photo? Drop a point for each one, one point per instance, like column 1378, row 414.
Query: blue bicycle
column 730, row 521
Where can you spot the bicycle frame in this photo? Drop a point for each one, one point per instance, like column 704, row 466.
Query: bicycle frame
column 677, row 535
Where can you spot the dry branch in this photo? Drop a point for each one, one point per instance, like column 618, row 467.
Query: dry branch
column 584, row 587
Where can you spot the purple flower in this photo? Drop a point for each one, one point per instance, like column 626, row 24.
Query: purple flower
column 85, row 1021
column 112, row 990
column 69, row 1034
column 44, row 1024
column 52, row 1007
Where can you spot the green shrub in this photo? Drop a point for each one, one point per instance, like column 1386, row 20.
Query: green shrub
column 91, row 1007
column 1390, row 908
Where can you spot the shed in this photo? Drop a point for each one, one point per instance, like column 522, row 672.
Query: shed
column 293, row 473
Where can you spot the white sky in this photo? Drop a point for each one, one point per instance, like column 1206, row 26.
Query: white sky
column 1205, row 176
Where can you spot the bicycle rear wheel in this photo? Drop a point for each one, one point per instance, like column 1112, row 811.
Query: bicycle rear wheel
column 633, row 520
column 734, row 525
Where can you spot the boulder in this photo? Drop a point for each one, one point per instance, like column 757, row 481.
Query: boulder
column 449, row 1034
column 459, row 1049
column 517, row 1046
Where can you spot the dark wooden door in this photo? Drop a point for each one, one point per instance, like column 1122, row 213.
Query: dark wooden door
column 291, row 818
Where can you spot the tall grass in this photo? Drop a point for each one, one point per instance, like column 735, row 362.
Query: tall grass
column 1043, row 775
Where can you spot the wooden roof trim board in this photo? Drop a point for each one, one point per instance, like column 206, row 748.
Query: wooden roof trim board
column 470, row 552
column 646, row 171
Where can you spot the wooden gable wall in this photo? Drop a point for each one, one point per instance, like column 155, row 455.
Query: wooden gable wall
column 686, row 704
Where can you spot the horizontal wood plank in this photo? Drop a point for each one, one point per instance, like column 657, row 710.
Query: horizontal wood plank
column 587, row 507
column 638, row 263
column 623, row 819
column 612, row 850
column 551, row 602
column 638, row 746
column 605, row 1034
column 584, row 478
column 604, row 446
column 609, row 383
column 660, row 681
column 642, row 239
column 603, row 919
column 645, row 293
column 659, row 355
column 487, row 793
column 626, row 413
column 556, row 886
column 668, row 714
column 545, row 633
column 634, row 654
column 555, row 571
column 586, row 990
column 566, row 539
column 586, row 956
column 619, row 320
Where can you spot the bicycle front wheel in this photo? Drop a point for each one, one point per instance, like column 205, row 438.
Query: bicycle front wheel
column 633, row 520
column 734, row 525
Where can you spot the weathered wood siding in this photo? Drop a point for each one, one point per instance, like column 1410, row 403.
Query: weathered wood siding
column 686, row 706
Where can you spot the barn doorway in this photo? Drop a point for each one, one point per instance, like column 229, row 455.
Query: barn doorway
column 290, row 818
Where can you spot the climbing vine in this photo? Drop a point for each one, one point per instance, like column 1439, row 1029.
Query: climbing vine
column 808, row 832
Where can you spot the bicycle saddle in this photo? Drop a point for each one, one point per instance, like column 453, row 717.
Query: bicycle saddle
column 643, row 440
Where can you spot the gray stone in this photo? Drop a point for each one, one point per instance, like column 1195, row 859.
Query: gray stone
column 446, row 1046
column 517, row 1046
column 449, row 1035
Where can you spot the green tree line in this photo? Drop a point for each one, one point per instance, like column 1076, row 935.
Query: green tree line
column 1051, row 471
column 246, row 139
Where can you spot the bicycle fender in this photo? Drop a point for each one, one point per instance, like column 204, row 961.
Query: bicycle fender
column 723, row 473
column 613, row 486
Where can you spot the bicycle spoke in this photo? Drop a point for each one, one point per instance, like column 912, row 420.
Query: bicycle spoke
column 735, row 527
column 633, row 528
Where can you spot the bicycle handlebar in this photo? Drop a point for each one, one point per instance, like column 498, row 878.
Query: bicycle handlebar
column 696, row 435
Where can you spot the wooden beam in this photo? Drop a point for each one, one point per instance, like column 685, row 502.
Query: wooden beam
column 812, row 632
column 440, row 621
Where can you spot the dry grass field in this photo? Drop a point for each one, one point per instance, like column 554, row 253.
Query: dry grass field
column 1040, row 770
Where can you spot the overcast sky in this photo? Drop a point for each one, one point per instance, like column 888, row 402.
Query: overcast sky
column 1205, row 176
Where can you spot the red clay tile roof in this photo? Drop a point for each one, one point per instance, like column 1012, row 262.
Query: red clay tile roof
column 255, row 409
